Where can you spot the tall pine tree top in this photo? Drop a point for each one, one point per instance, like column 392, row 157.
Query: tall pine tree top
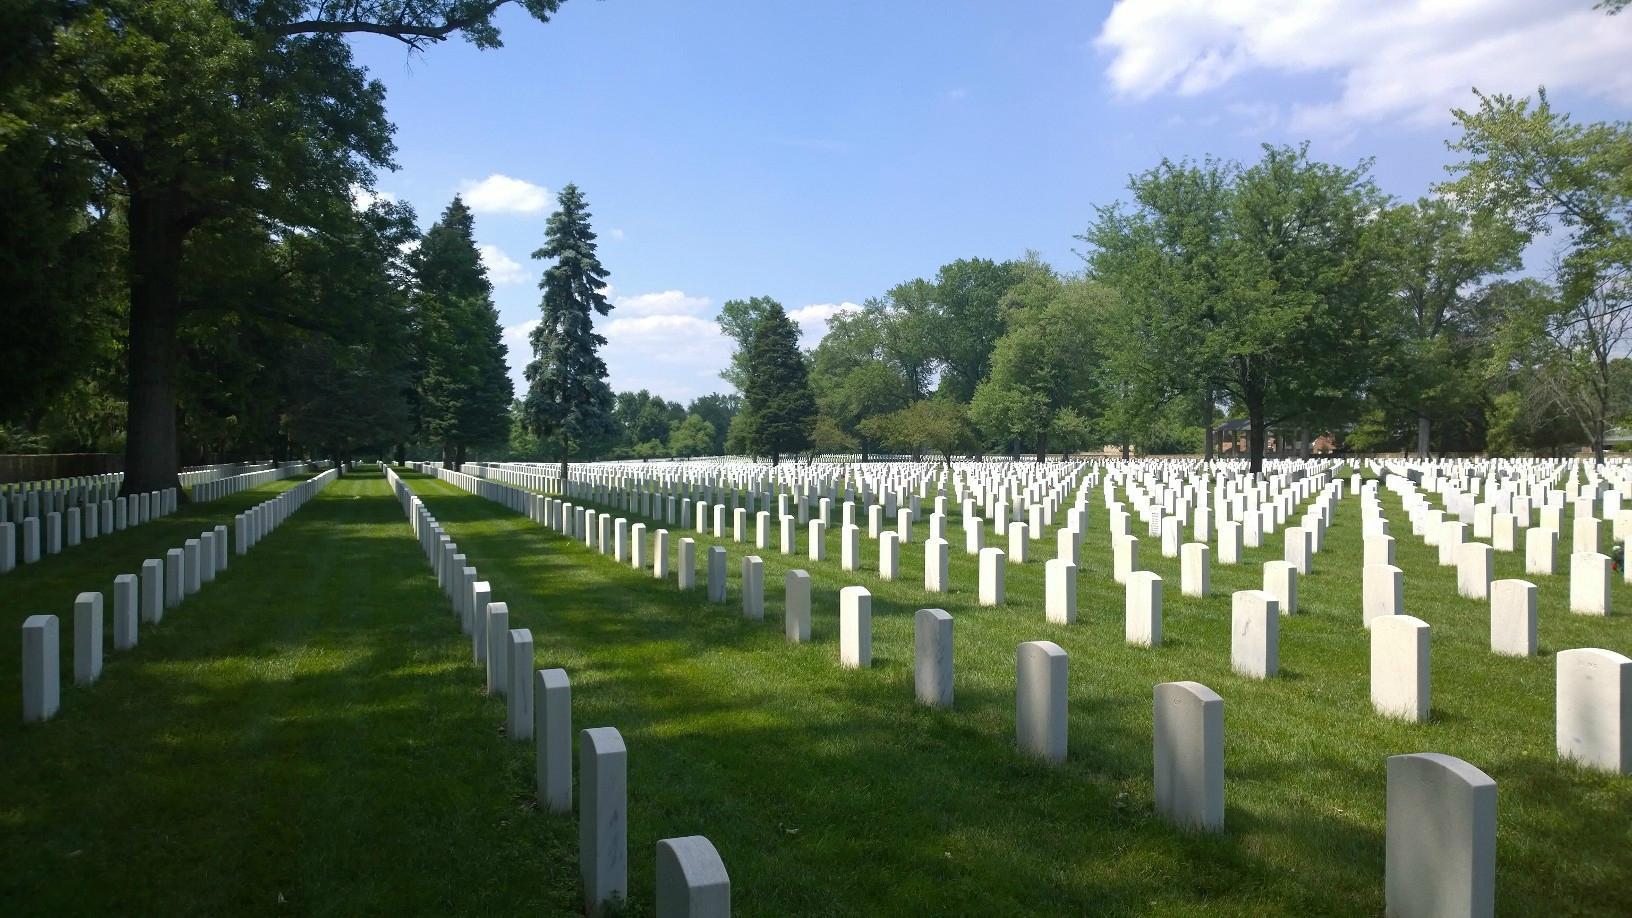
column 778, row 402
column 568, row 400
column 464, row 385
column 447, row 262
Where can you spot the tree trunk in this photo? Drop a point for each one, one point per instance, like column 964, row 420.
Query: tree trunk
column 775, row 458
column 1042, row 446
column 459, row 458
column 563, row 463
column 152, row 460
column 1207, row 416
column 1127, row 450
column 1255, row 435
column 1423, row 425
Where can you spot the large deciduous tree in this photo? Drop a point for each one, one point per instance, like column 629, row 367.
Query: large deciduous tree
column 1436, row 256
column 967, row 320
column 568, row 399
column 193, row 112
column 853, row 377
column 1534, row 167
column 1262, row 284
column 1046, row 366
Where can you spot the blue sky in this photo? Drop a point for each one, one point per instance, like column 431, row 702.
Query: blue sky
column 821, row 153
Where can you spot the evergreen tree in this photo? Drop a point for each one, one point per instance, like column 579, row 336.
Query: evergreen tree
column 778, row 403
column 568, row 400
column 464, row 386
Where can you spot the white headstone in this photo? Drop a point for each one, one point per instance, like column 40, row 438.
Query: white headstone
column 691, row 879
column 1513, row 618
column 1041, row 688
column 1589, row 584
column 126, row 609
column 991, row 576
column 932, row 657
column 1143, row 602
column 518, row 696
column 1473, row 566
column 855, row 627
column 1383, row 592
column 1595, row 709
column 1440, row 855
column 1399, row 667
column 1060, row 588
column 1189, row 755
column 1195, row 569
column 42, row 679
column 796, row 607
column 936, row 568
column 1255, row 629
column 603, row 829
column 1281, row 582
column 753, row 587
column 552, row 737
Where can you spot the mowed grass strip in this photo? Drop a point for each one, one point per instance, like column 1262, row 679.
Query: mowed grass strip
column 305, row 736
column 49, row 586
column 829, row 791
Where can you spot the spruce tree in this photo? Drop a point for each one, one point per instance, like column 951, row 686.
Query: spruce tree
column 779, row 405
column 568, row 400
column 464, row 384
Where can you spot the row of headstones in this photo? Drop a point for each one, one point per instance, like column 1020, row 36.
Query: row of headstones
column 197, row 475
column 1399, row 649
column 163, row 584
column 628, row 544
column 222, row 487
column 691, row 877
column 23, row 499
column 27, row 541
column 1593, row 700
column 759, row 481
column 795, row 476
column 600, row 488
column 1441, row 811
column 1586, row 719
column 1440, row 836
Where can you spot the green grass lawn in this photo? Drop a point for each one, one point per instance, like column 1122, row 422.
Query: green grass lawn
column 48, row 586
column 303, row 736
column 307, row 735
column 829, row 791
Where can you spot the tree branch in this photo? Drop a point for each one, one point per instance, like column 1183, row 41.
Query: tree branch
column 404, row 32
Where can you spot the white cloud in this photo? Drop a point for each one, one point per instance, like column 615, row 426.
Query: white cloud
column 517, row 335
column 501, row 268
column 363, row 198
column 501, row 194
column 812, row 319
column 666, row 342
column 615, row 233
column 675, row 302
column 1391, row 59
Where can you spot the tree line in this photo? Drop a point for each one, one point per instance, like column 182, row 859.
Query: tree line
column 187, row 275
